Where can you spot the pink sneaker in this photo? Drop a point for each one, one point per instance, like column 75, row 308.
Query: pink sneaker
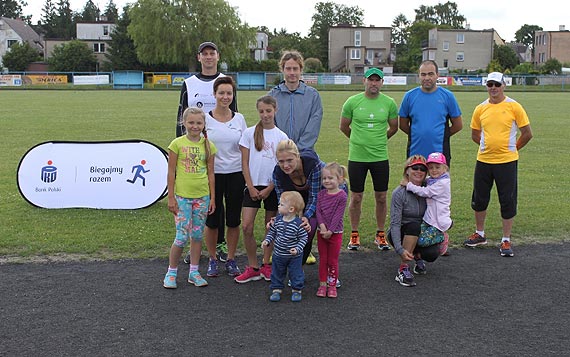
column 332, row 292
column 322, row 291
column 265, row 271
column 248, row 275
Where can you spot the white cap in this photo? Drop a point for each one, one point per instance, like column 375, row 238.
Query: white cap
column 495, row 77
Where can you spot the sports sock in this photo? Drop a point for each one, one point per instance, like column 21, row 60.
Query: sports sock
column 505, row 239
column 193, row 268
column 173, row 270
column 481, row 233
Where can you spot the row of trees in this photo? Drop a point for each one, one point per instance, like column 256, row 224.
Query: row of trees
column 138, row 41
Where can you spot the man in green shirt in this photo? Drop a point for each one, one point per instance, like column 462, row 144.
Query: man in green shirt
column 369, row 119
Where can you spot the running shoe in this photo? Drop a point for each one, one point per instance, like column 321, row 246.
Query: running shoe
column 222, row 252
column 170, row 280
column 275, row 296
column 330, row 281
column 380, row 241
column 420, row 267
column 232, row 268
column 196, row 279
column 354, row 242
column 265, row 272
column 506, row 249
column 213, row 270
column 405, row 277
column 474, row 240
column 296, row 296
column 248, row 275
column 332, row 292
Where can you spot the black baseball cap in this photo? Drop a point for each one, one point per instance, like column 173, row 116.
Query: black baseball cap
column 207, row 44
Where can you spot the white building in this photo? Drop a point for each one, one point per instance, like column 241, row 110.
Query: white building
column 14, row 31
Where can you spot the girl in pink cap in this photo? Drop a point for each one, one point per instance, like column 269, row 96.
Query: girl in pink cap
column 437, row 217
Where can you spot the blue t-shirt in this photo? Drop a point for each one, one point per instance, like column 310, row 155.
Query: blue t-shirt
column 429, row 115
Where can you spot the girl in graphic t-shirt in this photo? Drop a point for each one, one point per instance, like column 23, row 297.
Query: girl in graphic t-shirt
column 191, row 194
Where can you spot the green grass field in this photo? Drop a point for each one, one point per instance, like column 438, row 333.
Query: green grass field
column 30, row 117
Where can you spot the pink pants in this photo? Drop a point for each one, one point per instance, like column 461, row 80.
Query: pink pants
column 329, row 251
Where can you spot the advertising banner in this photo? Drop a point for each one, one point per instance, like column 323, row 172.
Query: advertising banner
column 96, row 79
column 445, row 81
column 395, row 80
column 178, row 79
column 310, row 78
column 468, row 81
column 10, row 80
column 161, row 79
column 45, row 79
column 335, row 79
column 104, row 175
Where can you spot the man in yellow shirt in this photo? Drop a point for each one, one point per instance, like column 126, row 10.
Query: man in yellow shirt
column 494, row 126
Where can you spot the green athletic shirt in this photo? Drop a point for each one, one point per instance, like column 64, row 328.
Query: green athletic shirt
column 369, row 122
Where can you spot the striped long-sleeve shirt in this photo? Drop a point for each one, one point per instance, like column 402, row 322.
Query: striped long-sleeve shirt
column 330, row 210
column 286, row 235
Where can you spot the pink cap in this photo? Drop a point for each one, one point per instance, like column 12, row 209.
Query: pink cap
column 436, row 157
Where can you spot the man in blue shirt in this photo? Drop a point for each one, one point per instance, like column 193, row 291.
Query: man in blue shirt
column 429, row 115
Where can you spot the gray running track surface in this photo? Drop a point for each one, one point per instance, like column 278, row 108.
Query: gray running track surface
column 472, row 303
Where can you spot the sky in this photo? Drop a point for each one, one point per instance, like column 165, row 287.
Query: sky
column 295, row 15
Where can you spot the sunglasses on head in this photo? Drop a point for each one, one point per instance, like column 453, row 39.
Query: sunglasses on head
column 419, row 167
column 496, row 84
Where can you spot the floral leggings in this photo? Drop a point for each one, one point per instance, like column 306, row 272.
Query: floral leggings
column 191, row 219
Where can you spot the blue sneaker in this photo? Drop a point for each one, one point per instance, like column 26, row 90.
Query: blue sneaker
column 296, row 296
column 232, row 268
column 405, row 277
column 213, row 268
column 170, row 280
column 275, row 296
column 196, row 279
column 420, row 267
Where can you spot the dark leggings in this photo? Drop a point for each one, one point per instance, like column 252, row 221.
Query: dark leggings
column 429, row 254
column 309, row 245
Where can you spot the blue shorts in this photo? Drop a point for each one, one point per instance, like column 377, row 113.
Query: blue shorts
column 191, row 219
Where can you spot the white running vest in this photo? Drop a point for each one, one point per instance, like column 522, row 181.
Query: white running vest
column 201, row 93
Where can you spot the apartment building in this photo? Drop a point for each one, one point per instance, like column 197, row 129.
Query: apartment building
column 461, row 49
column 552, row 44
column 354, row 49
column 97, row 36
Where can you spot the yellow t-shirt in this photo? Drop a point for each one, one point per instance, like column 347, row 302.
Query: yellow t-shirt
column 191, row 167
column 499, row 124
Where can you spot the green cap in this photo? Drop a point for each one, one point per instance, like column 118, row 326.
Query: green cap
column 375, row 71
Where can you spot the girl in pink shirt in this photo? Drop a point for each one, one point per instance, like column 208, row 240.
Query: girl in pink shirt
column 331, row 203
column 437, row 218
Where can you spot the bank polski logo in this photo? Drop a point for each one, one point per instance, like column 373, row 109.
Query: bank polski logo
column 49, row 172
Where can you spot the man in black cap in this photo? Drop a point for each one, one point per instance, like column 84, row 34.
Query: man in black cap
column 198, row 91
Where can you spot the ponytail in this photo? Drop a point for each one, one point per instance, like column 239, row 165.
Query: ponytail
column 258, row 136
